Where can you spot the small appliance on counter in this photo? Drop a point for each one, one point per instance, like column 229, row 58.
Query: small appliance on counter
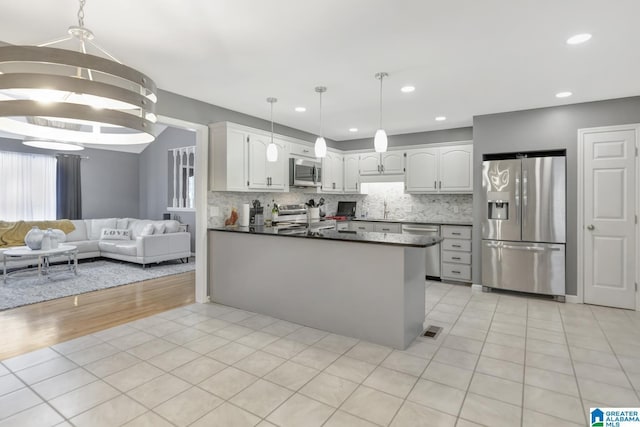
column 292, row 213
column 345, row 212
column 256, row 214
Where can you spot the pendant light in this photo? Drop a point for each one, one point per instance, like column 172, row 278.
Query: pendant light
column 272, row 148
column 380, row 139
column 321, row 144
column 73, row 96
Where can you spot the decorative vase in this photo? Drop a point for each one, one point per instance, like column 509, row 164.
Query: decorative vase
column 54, row 238
column 46, row 241
column 33, row 239
column 59, row 236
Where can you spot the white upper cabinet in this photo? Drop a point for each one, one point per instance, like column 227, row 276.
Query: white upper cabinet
column 302, row 150
column 422, row 171
column 332, row 173
column 264, row 175
column 228, row 158
column 456, row 169
column 392, row 163
column 369, row 164
column 447, row 169
column 389, row 163
column 351, row 176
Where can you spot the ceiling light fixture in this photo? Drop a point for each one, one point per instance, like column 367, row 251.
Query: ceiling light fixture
column 300, row 109
column 69, row 95
column 563, row 94
column 579, row 38
column 321, row 145
column 272, row 148
column 52, row 145
column 407, row 89
column 353, row 129
column 441, row 119
column 380, row 139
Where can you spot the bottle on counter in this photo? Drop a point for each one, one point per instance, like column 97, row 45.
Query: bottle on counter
column 275, row 211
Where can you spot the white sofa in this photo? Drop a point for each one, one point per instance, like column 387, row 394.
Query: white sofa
column 141, row 249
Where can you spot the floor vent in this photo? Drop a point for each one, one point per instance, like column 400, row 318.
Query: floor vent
column 432, row 331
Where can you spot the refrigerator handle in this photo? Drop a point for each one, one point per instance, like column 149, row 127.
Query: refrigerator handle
column 518, row 198
column 524, row 196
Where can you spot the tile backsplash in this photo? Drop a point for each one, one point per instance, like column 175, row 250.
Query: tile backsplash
column 412, row 207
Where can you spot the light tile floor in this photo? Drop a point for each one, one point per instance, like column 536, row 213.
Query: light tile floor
column 501, row 360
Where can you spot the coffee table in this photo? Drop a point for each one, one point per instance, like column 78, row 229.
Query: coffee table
column 24, row 252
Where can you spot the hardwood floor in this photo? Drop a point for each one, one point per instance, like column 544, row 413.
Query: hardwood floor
column 34, row 326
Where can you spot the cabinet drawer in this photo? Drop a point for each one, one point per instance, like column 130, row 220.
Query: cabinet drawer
column 386, row 227
column 456, row 257
column 361, row 226
column 456, row 245
column 456, row 271
column 344, row 225
column 456, row 232
column 302, row 150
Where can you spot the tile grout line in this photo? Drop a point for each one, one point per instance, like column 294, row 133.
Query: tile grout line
column 573, row 368
column 524, row 364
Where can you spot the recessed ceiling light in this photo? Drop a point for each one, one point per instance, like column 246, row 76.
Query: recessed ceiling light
column 441, row 118
column 563, row 94
column 300, row 109
column 353, row 129
column 407, row 89
column 579, row 38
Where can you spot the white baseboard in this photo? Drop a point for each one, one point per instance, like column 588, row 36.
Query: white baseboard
column 476, row 288
column 572, row 299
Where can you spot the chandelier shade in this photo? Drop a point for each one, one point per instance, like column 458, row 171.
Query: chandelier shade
column 67, row 95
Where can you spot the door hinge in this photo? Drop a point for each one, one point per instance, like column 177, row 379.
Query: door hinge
column 247, row 138
column 247, row 183
column 404, row 169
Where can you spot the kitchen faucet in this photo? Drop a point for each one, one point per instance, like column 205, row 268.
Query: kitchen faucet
column 385, row 212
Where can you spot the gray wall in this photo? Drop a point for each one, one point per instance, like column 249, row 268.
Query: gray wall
column 431, row 137
column 109, row 180
column 544, row 129
column 192, row 110
column 154, row 177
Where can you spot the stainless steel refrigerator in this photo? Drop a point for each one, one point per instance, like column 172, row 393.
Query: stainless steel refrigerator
column 524, row 224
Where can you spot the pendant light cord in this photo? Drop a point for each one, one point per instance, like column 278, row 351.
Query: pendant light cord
column 381, row 78
column 81, row 14
column 272, row 122
column 321, row 126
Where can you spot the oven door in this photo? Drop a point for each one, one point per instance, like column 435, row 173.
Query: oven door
column 304, row 173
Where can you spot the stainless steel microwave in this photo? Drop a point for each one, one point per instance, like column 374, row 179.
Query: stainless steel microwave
column 305, row 172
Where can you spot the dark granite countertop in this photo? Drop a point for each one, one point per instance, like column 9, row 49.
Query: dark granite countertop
column 406, row 221
column 407, row 240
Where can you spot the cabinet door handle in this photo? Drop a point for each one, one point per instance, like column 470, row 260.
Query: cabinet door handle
column 440, row 184
column 455, row 271
column 386, row 229
column 455, row 234
column 382, row 167
column 378, row 168
column 305, row 151
column 456, row 246
column 435, row 185
column 456, row 257
column 356, row 185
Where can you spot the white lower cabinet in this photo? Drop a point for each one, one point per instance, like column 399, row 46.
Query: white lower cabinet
column 455, row 253
column 342, row 225
column 387, row 227
column 361, row 226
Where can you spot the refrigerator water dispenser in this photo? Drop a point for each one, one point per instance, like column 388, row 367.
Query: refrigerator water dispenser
column 499, row 209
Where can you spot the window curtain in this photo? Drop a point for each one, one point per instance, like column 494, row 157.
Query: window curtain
column 69, row 188
column 27, row 187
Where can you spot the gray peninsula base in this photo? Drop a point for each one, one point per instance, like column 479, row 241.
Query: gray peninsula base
column 371, row 291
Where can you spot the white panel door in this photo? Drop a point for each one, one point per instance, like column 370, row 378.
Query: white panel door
column 456, row 169
column 609, row 218
column 422, row 171
column 351, row 173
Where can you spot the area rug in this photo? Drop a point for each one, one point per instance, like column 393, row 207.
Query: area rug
column 92, row 276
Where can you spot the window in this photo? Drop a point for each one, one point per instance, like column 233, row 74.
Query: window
column 182, row 188
column 27, row 187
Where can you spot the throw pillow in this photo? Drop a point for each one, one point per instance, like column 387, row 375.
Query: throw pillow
column 115, row 234
column 159, row 228
column 147, row 230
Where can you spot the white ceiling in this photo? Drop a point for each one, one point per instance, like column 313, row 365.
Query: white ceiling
column 465, row 57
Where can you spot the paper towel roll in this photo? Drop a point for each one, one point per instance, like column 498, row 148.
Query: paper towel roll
column 244, row 215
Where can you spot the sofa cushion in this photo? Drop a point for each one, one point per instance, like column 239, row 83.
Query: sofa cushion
column 148, row 230
column 123, row 223
column 159, row 228
column 115, row 234
column 80, row 233
column 121, row 247
column 137, row 226
column 95, row 226
column 172, row 226
column 86, row 245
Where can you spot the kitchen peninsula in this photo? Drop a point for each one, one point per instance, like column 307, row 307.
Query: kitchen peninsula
column 361, row 284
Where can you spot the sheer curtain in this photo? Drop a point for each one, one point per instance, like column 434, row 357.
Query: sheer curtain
column 27, row 186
